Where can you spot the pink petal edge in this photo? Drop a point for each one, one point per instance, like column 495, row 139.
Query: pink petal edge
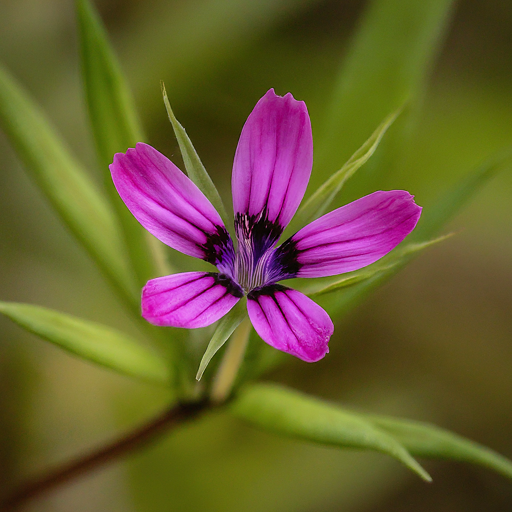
column 164, row 200
column 291, row 322
column 273, row 159
column 190, row 300
column 356, row 234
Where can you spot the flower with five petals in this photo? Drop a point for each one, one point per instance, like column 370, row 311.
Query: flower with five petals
column 271, row 170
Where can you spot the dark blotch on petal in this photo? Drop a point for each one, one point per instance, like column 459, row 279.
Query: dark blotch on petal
column 269, row 291
column 289, row 321
column 261, row 232
column 228, row 283
column 286, row 257
column 218, row 248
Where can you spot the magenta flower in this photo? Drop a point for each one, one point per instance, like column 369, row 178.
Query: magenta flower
column 271, row 171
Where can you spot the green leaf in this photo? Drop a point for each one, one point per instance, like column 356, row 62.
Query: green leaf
column 294, row 414
column 409, row 249
column 225, row 329
column 66, row 185
column 114, row 124
column 90, row 341
column 193, row 165
column 322, row 198
column 429, row 441
column 350, row 280
column 387, row 64
column 380, row 268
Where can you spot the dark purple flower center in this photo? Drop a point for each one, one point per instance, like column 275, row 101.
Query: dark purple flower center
column 257, row 263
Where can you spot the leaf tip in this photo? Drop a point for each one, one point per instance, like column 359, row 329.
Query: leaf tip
column 425, row 476
column 200, row 372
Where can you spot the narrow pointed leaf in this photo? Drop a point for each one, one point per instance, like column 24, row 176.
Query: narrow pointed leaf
column 429, row 441
column 90, row 341
column 319, row 202
column 294, row 414
column 387, row 64
column 377, row 269
column 414, row 247
column 114, row 124
column 350, row 280
column 193, row 165
column 224, row 330
column 66, row 185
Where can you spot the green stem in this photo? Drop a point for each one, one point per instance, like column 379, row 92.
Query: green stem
column 228, row 370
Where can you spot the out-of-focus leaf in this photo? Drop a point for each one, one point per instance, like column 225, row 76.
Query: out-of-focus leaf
column 431, row 222
column 322, row 198
column 424, row 440
column 386, row 65
column 111, row 109
column 90, row 341
column 224, row 330
column 434, row 218
column 294, row 414
column 66, row 185
column 193, row 165
column 114, row 123
column 186, row 43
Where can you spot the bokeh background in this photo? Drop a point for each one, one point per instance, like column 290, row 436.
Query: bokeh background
column 434, row 344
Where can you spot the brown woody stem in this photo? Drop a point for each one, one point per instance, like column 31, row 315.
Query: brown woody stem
column 173, row 417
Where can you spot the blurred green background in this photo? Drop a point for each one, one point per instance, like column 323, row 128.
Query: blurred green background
column 434, row 344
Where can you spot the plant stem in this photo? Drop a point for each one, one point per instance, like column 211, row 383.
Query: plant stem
column 228, row 370
column 139, row 437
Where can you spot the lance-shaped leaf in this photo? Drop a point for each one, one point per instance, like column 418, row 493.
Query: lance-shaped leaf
column 224, row 330
column 350, row 280
column 381, row 268
column 386, row 65
column 319, row 202
column 294, row 414
column 193, row 165
column 66, row 185
column 114, row 124
column 430, row 441
column 90, row 341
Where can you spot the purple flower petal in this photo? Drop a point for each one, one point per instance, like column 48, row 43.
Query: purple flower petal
column 273, row 160
column 191, row 299
column 289, row 321
column 169, row 205
column 352, row 236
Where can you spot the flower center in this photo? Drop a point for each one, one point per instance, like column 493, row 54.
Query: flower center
column 254, row 261
column 252, row 272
